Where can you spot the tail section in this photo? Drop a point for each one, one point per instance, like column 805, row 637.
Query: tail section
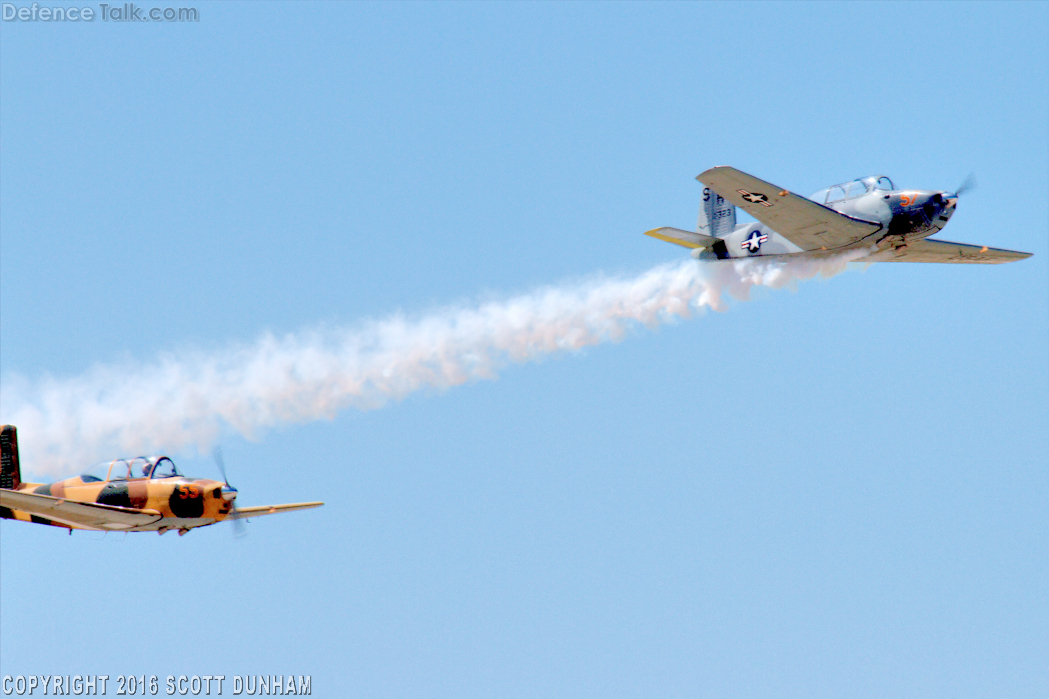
column 10, row 471
column 717, row 216
column 717, row 219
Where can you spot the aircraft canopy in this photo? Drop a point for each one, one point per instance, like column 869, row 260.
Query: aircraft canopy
column 851, row 190
column 139, row 467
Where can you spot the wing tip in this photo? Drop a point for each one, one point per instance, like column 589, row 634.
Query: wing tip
column 260, row 510
column 699, row 177
column 930, row 250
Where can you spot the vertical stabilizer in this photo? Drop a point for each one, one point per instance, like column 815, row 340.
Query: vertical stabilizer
column 717, row 216
column 10, row 473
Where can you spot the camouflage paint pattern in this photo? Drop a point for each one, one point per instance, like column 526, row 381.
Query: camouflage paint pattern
column 182, row 503
column 137, row 495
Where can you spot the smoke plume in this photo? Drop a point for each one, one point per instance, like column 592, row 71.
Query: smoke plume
column 187, row 400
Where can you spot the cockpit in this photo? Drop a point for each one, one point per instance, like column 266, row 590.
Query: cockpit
column 125, row 469
column 851, row 190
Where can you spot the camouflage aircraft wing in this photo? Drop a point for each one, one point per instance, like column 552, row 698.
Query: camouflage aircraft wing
column 88, row 515
column 245, row 512
column 805, row 223
column 943, row 251
column 686, row 239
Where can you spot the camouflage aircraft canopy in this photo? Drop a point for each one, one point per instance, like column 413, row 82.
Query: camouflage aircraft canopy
column 139, row 467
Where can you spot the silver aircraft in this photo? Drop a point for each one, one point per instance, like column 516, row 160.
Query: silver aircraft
column 870, row 213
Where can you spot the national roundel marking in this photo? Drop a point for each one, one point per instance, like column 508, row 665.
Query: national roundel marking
column 754, row 241
column 755, row 197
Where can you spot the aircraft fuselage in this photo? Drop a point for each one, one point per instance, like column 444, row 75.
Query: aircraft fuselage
column 904, row 216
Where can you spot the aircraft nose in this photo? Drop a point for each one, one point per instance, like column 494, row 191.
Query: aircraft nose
column 229, row 493
column 941, row 207
column 943, row 200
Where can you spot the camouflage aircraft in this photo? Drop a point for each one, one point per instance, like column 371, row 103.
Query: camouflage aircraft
column 146, row 494
column 894, row 224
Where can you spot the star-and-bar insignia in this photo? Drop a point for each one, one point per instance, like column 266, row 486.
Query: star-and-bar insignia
column 754, row 241
column 755, row 197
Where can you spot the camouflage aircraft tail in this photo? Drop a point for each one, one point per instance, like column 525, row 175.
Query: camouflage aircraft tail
column 10, row 472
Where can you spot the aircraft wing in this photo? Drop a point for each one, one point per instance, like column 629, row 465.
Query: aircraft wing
column 686, row 239
column 87, row 515
column 928, row 250
column 245, row 512
column 805, row 223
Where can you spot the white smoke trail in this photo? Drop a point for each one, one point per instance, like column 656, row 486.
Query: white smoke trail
column 186, row 400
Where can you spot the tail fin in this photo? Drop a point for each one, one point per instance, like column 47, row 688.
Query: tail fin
column 717, row 216
column 10, row 472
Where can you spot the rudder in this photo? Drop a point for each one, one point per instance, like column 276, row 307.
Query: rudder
column 717, row 215
column 10, row 471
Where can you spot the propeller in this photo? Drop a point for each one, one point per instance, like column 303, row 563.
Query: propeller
column 228, row 492
column 966, row 185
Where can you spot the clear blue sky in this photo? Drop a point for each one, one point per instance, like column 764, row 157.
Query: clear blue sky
column 838, row 490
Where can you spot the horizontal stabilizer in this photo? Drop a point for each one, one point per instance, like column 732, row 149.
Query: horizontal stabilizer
column 928, row 250
column 245, row 512
column 686, row 239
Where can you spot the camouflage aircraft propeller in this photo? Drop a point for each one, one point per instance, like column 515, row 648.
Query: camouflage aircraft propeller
column 238, row 523
column 145, row 494
column 870, row 213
